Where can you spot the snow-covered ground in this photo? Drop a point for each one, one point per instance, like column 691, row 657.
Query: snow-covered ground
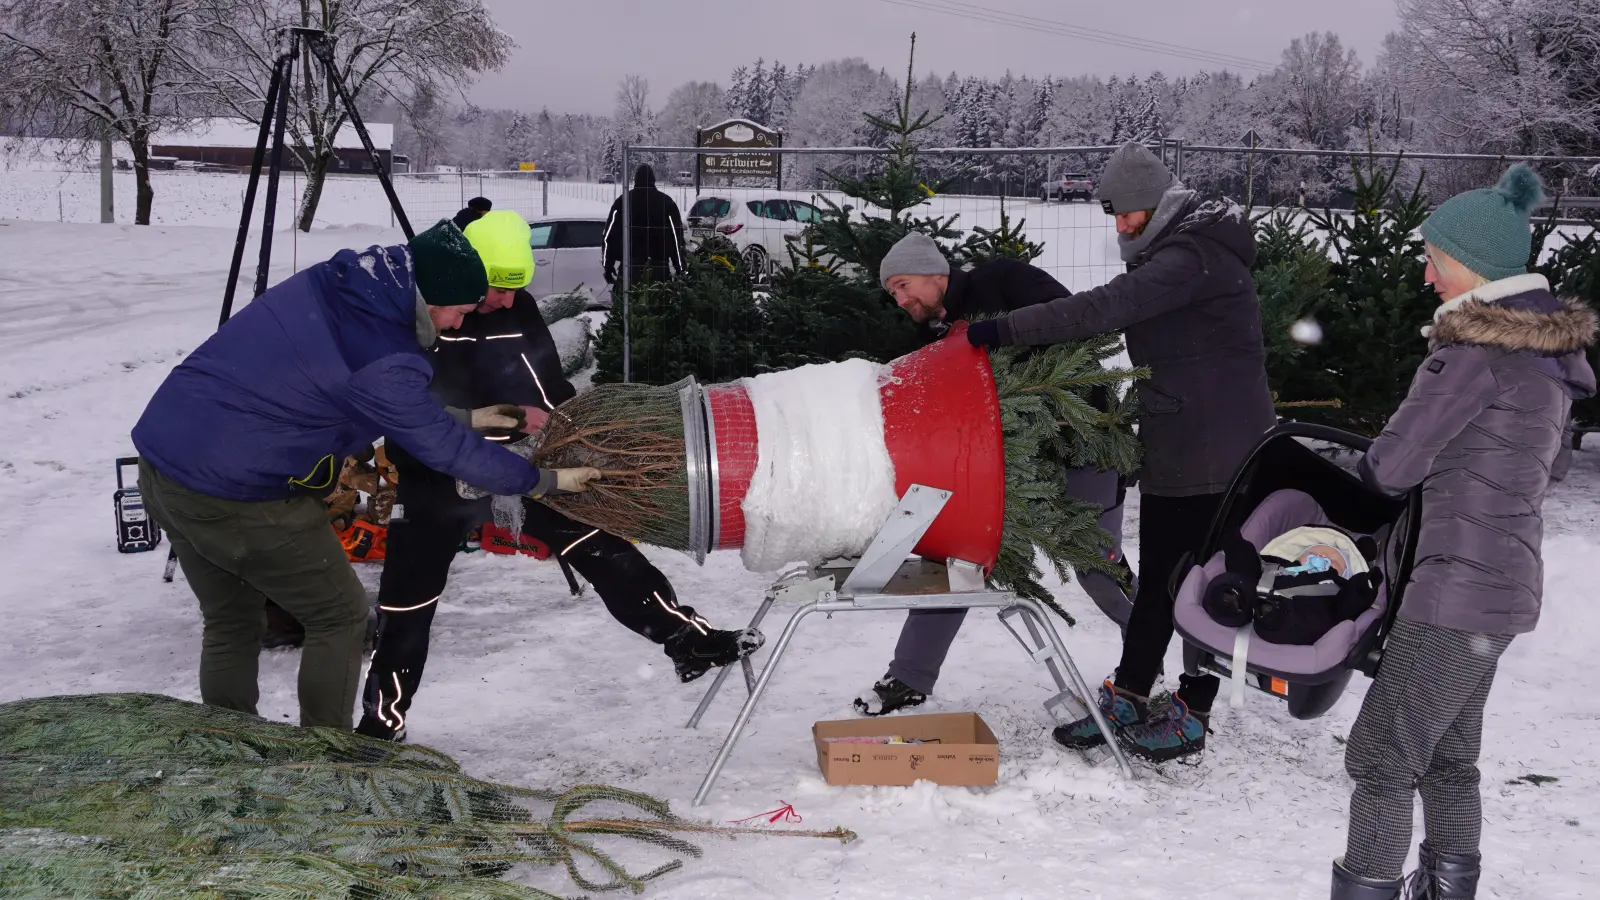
column 528, row 685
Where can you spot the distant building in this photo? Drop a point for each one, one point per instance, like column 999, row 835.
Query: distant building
column 231, row 142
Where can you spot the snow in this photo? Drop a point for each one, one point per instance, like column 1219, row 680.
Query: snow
column 529, row 685
column 824, row 483
column 239, row 133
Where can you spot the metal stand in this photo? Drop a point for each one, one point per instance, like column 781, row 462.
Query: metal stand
column 275, row 112
column 884, row 579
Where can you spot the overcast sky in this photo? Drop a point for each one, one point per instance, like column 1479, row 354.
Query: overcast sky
column 572, row 52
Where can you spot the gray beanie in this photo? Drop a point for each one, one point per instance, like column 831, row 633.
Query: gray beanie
column 914, row 254
column 1134, row 179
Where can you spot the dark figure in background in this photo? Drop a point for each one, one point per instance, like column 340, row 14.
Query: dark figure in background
column 655, row 241
column 505, row 351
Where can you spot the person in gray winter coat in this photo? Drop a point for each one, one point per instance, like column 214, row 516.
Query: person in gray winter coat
column 1188, row 309
column 1479, row 431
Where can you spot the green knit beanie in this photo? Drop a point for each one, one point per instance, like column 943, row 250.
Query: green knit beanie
column 1487, row 230
column 449, row 271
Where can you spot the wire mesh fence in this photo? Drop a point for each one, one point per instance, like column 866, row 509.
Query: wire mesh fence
column 1046, row 193
column 430, row 196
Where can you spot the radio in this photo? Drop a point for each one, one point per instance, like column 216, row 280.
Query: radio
column 136, row 531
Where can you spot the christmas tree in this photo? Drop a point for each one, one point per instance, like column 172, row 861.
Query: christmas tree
column 1371, row 315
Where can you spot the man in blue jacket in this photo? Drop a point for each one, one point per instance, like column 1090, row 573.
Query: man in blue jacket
column 242, row 439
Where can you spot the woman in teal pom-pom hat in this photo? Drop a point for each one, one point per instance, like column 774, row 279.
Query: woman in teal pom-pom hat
column 1478, row 431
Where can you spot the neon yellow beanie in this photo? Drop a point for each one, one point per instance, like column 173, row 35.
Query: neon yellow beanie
column 504, row 240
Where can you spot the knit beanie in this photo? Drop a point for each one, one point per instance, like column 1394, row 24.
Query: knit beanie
column 449, row 271
column 504, row 242
column 1487, row 230
column 914, row 254
column 1134, row 179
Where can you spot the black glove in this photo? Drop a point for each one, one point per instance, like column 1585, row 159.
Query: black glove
column 610, row 275
column 984, row 334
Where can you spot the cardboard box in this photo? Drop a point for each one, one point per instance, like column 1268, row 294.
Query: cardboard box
column 961, row 751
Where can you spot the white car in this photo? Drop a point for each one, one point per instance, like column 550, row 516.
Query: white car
column 567, row 256
column 761, row 225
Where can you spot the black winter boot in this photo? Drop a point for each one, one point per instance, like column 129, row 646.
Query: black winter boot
column 887, row 696
column 1349, row 886
column 1444, row 876
column 695, row 650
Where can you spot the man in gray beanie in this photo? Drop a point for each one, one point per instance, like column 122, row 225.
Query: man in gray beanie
column 918, row 275
column 1188, row 308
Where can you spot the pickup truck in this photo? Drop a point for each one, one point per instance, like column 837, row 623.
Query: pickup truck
column 1068, row 187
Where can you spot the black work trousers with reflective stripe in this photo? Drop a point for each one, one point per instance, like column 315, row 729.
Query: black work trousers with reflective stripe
column 430, row 523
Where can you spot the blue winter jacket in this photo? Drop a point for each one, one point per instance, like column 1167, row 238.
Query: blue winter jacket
column 312, row 371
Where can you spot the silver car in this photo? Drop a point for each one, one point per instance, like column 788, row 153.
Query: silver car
column 567, row 257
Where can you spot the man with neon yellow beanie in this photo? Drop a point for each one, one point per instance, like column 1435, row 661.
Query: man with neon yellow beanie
column 503, row 356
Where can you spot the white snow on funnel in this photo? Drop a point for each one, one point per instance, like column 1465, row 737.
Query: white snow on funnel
column 823, row 483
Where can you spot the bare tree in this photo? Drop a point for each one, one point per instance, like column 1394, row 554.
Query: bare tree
column 633, row 122
column 690, row 107
column 1486, row 73
column 1317, row 90
column 88, row 69
column 395, row 49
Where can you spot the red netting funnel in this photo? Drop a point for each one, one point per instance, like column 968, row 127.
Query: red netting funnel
column 941, row 420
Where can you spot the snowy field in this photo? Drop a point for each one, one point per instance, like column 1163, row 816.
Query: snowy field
column 528, row 685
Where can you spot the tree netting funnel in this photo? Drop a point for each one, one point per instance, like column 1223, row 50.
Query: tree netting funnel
column 679, row 460
column 941, row 421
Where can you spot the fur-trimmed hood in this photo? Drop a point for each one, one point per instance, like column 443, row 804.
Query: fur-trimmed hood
column 1517, row 313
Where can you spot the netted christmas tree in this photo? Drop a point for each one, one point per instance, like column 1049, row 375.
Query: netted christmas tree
column 142, row 796
column 828, row 306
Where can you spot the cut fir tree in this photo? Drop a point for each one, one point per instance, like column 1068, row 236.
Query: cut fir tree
column 806, row 465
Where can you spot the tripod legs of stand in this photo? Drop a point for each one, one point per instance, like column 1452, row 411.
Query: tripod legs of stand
column 722, row 673
column 1049, row 651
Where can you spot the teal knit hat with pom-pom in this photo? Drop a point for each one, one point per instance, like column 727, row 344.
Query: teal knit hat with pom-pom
column 1487, row 230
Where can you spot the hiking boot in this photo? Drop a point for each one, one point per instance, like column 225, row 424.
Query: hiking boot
column 1444, row 876
column 696, row 650
column 1121, row 710
column 374, row 727
column 1350, row 886
column 1170, row 732
column 887, row 696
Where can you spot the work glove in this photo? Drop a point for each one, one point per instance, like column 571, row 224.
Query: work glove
column 575, row 481
column 499, row 417
column 985, row 333
column 610, row 275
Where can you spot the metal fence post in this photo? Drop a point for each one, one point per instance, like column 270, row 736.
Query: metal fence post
column 626, row 279
column 461, row 188
column 544, row 190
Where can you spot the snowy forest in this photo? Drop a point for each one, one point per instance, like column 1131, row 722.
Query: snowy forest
column 1490, row 76
column 1432, row 87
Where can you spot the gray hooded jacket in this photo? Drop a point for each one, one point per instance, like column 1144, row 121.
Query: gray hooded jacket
column 1479, row 431
column 1187, row 306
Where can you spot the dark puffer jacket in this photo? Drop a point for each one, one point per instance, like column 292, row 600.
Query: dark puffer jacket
column 1479, row 431
column 655, row 228
column 1187, row 306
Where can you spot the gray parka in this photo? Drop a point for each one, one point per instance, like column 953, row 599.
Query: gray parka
column 1187, row 306
column 1479, row 431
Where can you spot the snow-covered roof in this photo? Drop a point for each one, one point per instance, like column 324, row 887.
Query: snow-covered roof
column 238, row 133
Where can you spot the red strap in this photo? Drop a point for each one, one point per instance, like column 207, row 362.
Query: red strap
column 784, row 813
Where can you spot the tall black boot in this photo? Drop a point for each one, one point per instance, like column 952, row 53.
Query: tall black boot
column 1349, row 886
column 1445, row 876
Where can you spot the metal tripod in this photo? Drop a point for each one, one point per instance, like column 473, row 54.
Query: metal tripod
column 882, row 579
column 275, row 112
